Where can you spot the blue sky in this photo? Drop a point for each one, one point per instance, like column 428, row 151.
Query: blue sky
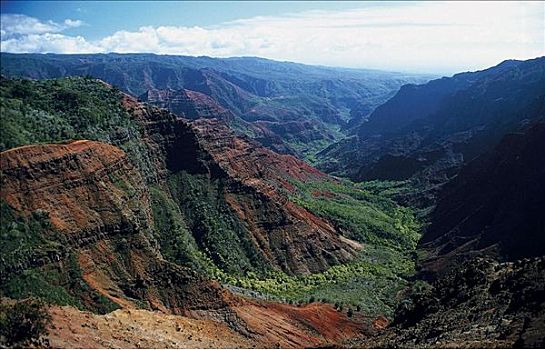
column 107, row 17
column 438, row 37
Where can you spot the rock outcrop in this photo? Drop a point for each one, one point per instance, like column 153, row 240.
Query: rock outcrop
column 289, row 236
column 256, row 184
column 97, row 198
column 267, row 326
column 187, row 103
column 98, row 203
column 479, row 304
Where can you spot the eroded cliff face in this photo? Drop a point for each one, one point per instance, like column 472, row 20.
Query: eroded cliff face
column 187, row 103
column 98, row 206
column 253, row 185
column 289, row 236
column 139, row 217
column 228, row 197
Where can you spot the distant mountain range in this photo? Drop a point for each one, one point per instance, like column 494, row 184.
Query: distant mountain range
column 430, row 130
column 289, row 107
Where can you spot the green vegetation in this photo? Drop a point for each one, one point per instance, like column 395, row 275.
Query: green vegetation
column 57, row 285
column 309, row 149
column 195, row 226
column 176, row 241
column 198, row 229
column 366, row 216
column 24, row 324
column 26, row 238
column 216, row 229
column 370, row 282
column 32, row 238
column 60, row 110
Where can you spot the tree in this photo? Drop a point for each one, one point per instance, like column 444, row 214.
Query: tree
column 24, row 324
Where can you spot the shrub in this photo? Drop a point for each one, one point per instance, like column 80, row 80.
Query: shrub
column 24, row 324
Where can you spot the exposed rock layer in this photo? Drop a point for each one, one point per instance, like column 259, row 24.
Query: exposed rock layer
column 97, row 201
column 256, row 182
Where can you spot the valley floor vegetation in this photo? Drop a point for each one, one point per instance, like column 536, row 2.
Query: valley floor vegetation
column 193, row 224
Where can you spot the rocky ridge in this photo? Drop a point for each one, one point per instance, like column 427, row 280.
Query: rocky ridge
column 427, row 132
column 256, row 184
column 95, row 199
column 493, row 207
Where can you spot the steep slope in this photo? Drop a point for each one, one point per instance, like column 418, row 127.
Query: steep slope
column 479, row 304
column 253, row 89
column 216, row 205
column 483, row 255
column 100, row 253
column 187, row 103
column 144, row 221
column 245, row 186
column 100, row 229
column 494, row 206
column 210, row 191
column 429, row 131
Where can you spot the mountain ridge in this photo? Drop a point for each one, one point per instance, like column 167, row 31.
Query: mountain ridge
column 426, row 132
column 254, row 90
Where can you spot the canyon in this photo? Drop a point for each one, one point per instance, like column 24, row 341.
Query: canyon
column 184, row 217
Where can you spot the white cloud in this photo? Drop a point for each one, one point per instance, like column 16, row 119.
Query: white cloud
column 16, row 25
column 447, row 36
column 73, row 23
column 49, row 42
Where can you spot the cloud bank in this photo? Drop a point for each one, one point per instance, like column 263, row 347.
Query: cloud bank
column 417, row 36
